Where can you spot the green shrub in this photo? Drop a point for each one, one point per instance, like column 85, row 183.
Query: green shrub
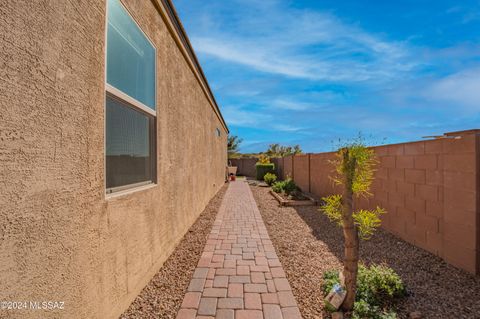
column 270, row 178
column 262, row 169
column 287, row 186
column 363, row 310
column 378, row 284
column 277, row 187
column 377, row 287
column 330, row 279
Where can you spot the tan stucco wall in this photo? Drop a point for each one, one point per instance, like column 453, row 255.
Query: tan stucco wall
column 60, row 239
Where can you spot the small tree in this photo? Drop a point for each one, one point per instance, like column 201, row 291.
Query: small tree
column 277, row 150
column 354, row 165
column 233, row 144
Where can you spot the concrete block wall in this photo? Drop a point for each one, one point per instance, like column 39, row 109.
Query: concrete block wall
column 430, row 190
column 245, row 166
column 301, row 169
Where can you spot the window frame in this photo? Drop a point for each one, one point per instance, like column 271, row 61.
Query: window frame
column 137, row 106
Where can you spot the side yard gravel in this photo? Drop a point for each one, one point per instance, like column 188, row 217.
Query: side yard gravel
column 163, row 295
column 309, row 244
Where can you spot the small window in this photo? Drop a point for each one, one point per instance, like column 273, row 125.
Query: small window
column 217, row 132
column 130, row 106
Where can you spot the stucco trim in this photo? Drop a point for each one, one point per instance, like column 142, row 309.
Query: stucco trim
column 128, row 191
column 175, row 27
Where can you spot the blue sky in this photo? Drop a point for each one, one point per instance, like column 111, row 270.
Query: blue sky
column 311, row 72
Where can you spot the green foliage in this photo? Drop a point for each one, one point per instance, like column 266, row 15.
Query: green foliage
column 378, row 287
column 262, row 169
column 354, row 166
column 277, row 187
column 363, row 310
column 264, row 159
column 330, row 279
column 355, row 163
column 287, row 186
column 367, row 221
column 277, row 150
column 270, row 178
column 233, row 144
column 332, row 207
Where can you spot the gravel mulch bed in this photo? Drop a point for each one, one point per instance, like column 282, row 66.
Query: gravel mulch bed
column 163, row 295
column 309, row 244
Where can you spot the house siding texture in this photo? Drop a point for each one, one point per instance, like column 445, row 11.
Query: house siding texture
column 60, row 238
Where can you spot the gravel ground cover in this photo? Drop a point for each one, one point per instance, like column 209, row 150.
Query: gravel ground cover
column 308, row 244
column 163, row 295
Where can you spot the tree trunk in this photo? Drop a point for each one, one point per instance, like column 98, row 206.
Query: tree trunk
column 350, row 234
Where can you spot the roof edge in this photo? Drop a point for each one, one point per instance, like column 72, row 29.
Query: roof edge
column 169, row 13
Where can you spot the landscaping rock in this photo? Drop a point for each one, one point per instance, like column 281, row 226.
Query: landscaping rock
column 415, row 315
column 163, row 296
column 308, row 244
column 337, row 315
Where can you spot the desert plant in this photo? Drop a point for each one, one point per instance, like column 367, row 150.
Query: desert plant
column 270, row 178
column 233, row 144
column 363, row 310
column 287, row 186
column 277, row 150
column 263, row 159
column 378, row 287
column 262, row 169
column 354, row 171
column 277, row 187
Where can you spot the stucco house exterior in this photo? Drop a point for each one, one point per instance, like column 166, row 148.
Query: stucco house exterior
column 111, row 144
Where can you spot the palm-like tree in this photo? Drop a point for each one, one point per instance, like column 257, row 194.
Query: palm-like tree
column 233, row 144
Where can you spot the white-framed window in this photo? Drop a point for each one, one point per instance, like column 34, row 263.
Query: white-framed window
column 130, row 105
column 218, row 132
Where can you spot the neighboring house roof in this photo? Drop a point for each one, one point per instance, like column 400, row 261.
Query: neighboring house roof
column 168, row 12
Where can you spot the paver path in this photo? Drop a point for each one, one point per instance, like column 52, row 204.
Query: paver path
column 239, row 275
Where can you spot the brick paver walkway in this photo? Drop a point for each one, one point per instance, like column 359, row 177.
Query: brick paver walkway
column 239, row 275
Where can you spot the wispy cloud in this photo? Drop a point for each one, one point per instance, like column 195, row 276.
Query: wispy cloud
column 292, row 105
column 306, row 44
column 297, row 72
column 286, row 128
column 234, row 115
column 463, row 89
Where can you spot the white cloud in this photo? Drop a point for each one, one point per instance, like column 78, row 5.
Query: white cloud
column 244, row 118
column 292, row 105
column 286, row 128
column 462, row 88
column 305, row 44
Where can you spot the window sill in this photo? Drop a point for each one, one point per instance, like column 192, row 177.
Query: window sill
column 129, row 191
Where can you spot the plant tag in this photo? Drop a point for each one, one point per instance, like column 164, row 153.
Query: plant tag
column 335, row 297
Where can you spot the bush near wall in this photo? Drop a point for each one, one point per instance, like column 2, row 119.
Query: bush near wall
column 262, row 169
